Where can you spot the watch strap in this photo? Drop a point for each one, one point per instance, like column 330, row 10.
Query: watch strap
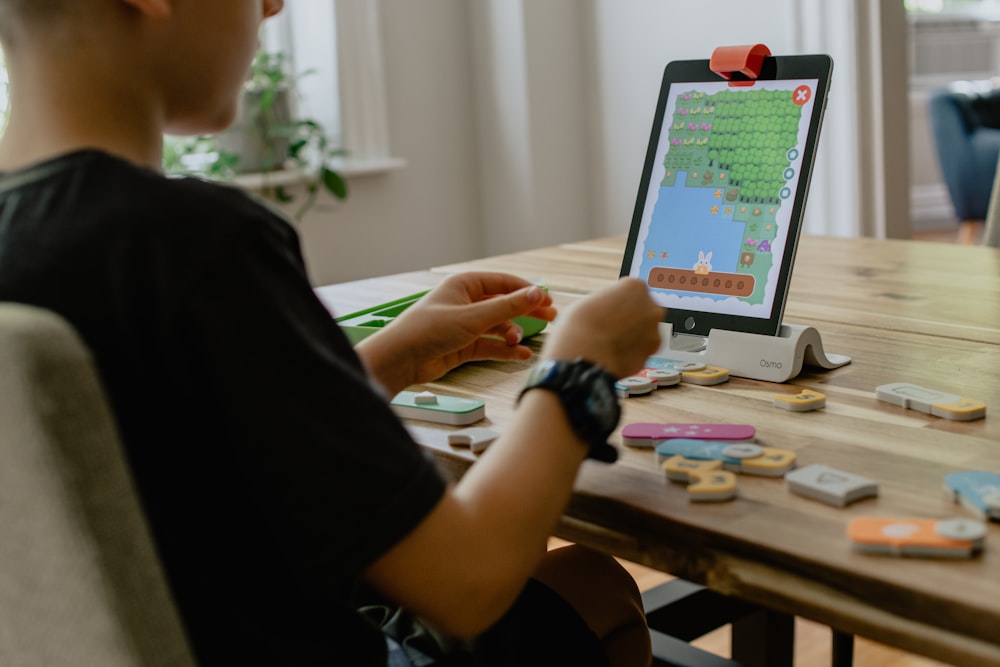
column 573, row 382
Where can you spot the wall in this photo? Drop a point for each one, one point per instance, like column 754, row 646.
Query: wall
column 854, row 190
column 532, row 131
column 590, row 76
column 633, row 42
column 427, row 212
column 526, row 123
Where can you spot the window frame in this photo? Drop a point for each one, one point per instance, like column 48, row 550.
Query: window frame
column 349, row 97
column 4, row 94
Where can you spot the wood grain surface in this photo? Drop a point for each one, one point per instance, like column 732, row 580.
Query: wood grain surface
column 904, row 311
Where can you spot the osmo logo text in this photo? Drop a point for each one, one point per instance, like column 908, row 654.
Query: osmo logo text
column 764, row 363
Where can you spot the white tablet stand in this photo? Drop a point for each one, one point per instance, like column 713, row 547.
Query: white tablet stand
column 770, row 358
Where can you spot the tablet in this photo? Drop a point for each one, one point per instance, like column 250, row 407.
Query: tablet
column 723, row 189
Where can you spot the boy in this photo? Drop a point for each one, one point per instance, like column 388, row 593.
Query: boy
column 281, row 491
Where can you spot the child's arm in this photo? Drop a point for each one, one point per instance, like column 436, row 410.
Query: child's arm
column 482, row 541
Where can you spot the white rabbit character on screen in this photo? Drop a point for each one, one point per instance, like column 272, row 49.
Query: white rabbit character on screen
column 704, row 263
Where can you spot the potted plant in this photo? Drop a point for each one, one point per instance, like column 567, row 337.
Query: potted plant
column 265, row 137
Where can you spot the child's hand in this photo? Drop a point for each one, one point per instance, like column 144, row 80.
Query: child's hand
column 616, row 328
column 467, row 317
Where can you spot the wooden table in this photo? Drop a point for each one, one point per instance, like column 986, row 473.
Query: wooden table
column 905, row 311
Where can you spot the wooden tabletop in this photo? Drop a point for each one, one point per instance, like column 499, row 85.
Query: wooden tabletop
column 904, row 311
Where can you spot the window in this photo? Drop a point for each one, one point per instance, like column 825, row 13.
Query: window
column 309, row 38
column 4, row 96
column 952, row 40
column 338, row 45
column 939, row 6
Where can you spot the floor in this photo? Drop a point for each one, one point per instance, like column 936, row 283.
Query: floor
column 949, row 235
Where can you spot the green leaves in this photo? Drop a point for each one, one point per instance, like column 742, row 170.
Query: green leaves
column 334, row 183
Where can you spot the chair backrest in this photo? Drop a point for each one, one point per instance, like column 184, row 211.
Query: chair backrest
column 80, row 582
column 979, row 107
column 965, row 125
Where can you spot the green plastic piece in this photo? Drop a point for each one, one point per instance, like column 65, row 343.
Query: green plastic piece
column 363, row 323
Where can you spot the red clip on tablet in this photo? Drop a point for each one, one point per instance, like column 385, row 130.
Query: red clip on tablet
column 746, row 60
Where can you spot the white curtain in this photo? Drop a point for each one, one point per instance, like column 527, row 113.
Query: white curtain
column 861, row 183
column 834, row 205
column 364, row 121
column 556, row 81
column 531, row 122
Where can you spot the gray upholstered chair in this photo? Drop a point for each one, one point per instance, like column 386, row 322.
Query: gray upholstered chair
column 80, row 583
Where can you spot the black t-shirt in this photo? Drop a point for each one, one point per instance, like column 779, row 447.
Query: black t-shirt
column 270, row 470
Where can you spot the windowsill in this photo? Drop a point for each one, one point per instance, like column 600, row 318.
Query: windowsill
column 346, row 167
column 957, row 17
column 351, row 168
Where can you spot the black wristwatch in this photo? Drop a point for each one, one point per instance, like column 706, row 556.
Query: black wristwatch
column 587, row 393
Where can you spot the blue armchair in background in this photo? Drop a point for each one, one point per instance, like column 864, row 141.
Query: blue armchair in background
column 965, row 123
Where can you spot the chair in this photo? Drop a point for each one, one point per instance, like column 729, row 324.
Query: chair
column 991, row 233
column 965, row 124
column 679, row 612
column 80, row 583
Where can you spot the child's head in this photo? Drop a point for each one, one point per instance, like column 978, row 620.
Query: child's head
column 189, row 57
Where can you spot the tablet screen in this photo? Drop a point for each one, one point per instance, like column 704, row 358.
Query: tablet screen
column 719, row 208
